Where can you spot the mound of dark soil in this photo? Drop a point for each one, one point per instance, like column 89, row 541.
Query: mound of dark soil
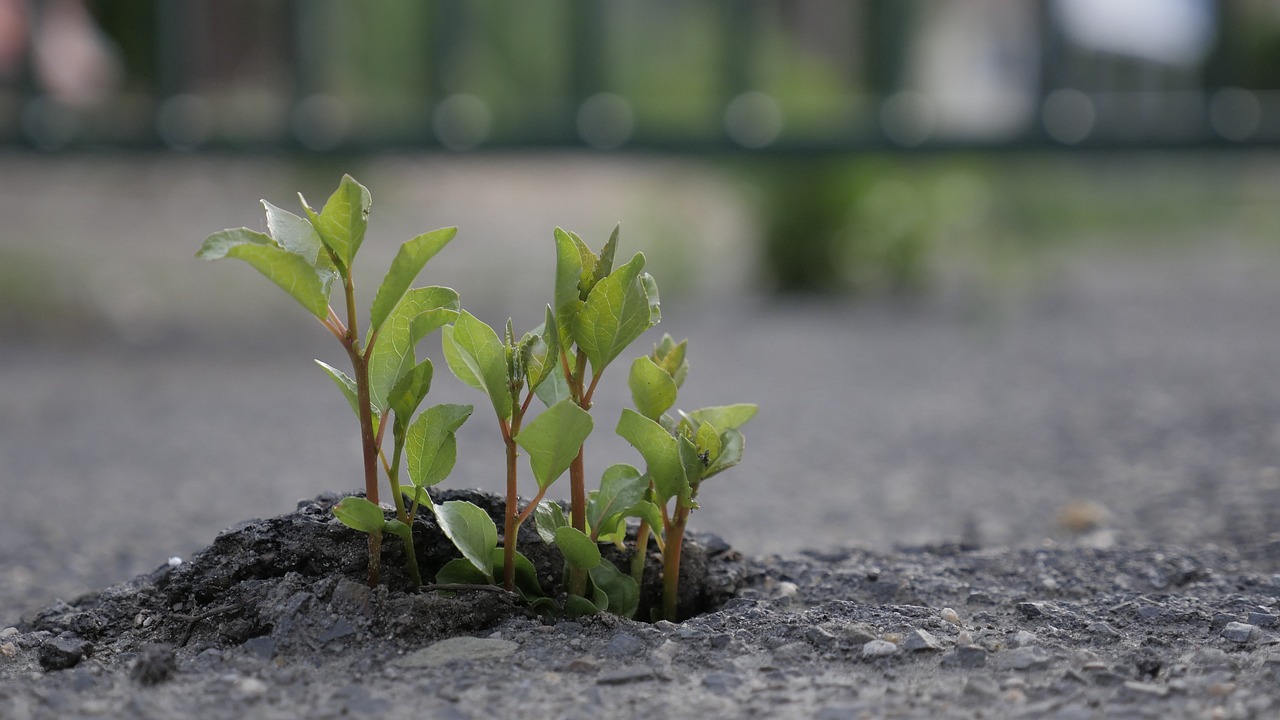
column 273, row 620
column 295, row 584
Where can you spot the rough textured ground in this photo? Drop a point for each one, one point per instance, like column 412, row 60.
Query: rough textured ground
column 1106, row 440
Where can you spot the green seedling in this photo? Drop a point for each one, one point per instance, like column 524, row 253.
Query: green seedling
column 510, row 372
column 306, row 257
column 599, row 310
column 680, row 452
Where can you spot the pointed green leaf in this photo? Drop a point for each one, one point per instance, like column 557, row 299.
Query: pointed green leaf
column 660, row 451
column 670, row 356
column 604, row 263
column 297, row 235
column 409, row 261
column 471, row 530
column 652, row 390
column 548, row 517
column 292, row 273
column 621, row 589
column 478, row 358
column 358, row 513
column 554, row 439
column 579, row 550
column 344, row 383
column 616, row 313
column 621, row 487
column 725, row 417
column 392, row 355
column 431, row 443
column 707, row 440
column 342, row 222
column 409, row 392
column 541, row 350
column 731, row 445
column 571, row 256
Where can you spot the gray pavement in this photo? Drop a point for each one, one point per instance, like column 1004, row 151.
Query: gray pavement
column 1148, row 384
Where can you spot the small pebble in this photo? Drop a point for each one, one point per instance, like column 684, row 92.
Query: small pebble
column 788, row 589
column 921, row 640
column 1022, row 638
column 8, row 649
column 1239, row 632
column 175, row 561
column 878, row 648
column 1221, row 689
column 964, row 639
column 8, row 632
column 1262, row 619
column 1146, row 688
column 950, row 616
column 249, row 688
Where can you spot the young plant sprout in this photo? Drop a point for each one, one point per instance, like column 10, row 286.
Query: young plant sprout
column 504, row 369
column 599, row 310
column 679, row 454
column 305, row 256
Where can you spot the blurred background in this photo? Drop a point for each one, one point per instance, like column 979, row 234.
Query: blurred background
column 983, row 264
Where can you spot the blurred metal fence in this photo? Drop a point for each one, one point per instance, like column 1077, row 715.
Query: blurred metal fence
column 762, row 75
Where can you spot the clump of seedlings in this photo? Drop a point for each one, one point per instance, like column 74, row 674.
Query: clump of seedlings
column 598, row 311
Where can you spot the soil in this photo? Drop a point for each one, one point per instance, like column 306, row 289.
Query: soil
column 273, row 620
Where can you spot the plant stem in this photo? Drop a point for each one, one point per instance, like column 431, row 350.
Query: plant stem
column 578, row 475
column 510, row 526
column 368, row 442
column 393, row 476
column 671, row 564
column 642, row 551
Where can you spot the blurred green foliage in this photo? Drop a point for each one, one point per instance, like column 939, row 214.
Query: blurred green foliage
column 892, row 225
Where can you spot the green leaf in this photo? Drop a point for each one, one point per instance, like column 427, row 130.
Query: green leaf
column 621, row 486
column 670, row 356
column 526, row 574
column 554, row 389
column 707, row 440
column 399, row 529
column 579, row 550
column 616, row 312
column 604, row 263
column 358, row 513
column 460, row 571
column 298, row 236
column 575, row 606
column 342, row 222
column 724, row 417
column 431, row 444
column 409, row 261
column 652, row 390
column 478, row 358
column 554, row 439
column 547, row 518
column 292, row 273
column 540, row 350
column 571, row 257
column 217, row 245
column 731, row 445
column 344, row 383
column 660, row 451
column 409, row 392
column 392, row 355
column 471, row 530
column 621, row 589
column 647, row 512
